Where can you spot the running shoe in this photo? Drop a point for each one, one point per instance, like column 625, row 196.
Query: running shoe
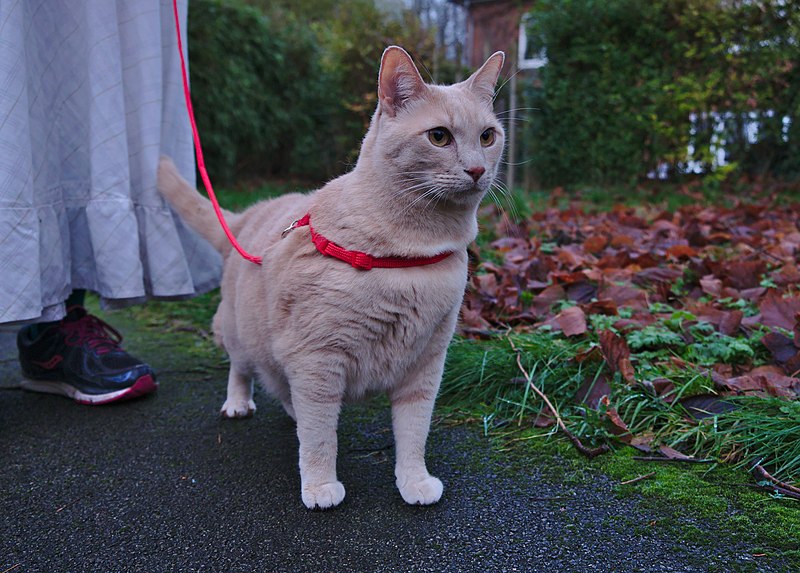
column 80, row 357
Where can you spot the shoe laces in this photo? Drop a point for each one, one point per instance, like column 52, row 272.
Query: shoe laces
column 92, row 332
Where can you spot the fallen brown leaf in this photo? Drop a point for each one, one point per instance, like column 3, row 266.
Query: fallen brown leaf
column 617, row 354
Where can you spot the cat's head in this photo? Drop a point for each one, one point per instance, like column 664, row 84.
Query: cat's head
column 439, row 144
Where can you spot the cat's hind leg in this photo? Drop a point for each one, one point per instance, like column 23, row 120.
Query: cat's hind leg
column 239, row 402
column 274, row 382
column 287, row 406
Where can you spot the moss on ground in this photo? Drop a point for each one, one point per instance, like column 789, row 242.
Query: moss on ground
column 699, row 504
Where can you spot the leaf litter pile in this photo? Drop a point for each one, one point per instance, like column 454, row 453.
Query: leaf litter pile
column 677, row 333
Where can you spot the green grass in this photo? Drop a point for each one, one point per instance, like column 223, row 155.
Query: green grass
column 653, row 194
column 239, row 198
column 478, row 383
column 713, row 506
column 481, row 376
column 760, row 430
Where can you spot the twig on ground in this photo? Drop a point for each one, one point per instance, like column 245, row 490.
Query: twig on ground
column 68, row 504
column 768, row 488
column 588, row 452
column 760, row 472
column 778, row 490
column 639, row 478
column 673, row 460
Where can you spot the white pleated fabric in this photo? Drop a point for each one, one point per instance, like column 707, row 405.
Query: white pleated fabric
column 90, row 97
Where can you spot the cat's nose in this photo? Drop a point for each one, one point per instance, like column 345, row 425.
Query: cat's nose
column 476, row 172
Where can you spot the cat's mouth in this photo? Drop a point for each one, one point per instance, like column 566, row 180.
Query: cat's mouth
column 447, row 189
column 474, row 187
column 464, row 194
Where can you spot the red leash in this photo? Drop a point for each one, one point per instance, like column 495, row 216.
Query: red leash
column 201, row 164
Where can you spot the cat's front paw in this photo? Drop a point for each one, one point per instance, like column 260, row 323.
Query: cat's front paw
column 426, row 491
column 323, row 496
column 237, row 408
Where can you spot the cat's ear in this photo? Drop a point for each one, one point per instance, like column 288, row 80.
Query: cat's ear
column 483, row 81
column 399, row 80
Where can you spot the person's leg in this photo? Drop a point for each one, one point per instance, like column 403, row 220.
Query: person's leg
column 75, row 299
column 80, row 357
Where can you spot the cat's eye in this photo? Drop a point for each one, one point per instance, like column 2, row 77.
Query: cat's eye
column 487, row 137
column 439, row 136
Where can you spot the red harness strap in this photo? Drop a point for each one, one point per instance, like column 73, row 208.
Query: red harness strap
column 361, row 260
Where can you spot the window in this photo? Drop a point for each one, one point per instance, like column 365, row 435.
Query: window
column 532, row 54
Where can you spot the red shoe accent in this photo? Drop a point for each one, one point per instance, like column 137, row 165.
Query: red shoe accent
column 91, row 331
column 144, row 385
column 50, row 364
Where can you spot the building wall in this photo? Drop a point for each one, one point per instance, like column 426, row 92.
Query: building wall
column 494, row 25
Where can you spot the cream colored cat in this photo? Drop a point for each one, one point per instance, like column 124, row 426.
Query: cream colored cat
column 315, row 330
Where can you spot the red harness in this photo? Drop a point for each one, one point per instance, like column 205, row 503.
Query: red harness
column 358, row 259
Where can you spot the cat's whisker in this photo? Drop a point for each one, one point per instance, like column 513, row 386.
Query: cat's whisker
column 431, row 191
column 502, row 113
column 428, row 72
column 493, row 197
column 518, row 121
column 517, row 163
column 415, row 202
column 413, row 181
column 412, row 176
column 501, row 86
column 503, row 188
column 419, row 198
column 506, row 194
column 403, row 193
column 437, row 196
column 413, row 186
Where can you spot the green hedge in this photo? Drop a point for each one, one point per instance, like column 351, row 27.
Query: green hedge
column 258, row 89
column 287, row 88
column 624, row 76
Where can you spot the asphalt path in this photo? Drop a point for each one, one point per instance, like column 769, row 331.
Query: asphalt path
column 163, row 484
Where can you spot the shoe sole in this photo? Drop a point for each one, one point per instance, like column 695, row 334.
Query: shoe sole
column 144, row 385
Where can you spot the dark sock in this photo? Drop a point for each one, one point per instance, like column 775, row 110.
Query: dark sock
column 75, row 299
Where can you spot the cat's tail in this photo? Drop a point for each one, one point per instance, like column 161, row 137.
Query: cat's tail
column 194, row 209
